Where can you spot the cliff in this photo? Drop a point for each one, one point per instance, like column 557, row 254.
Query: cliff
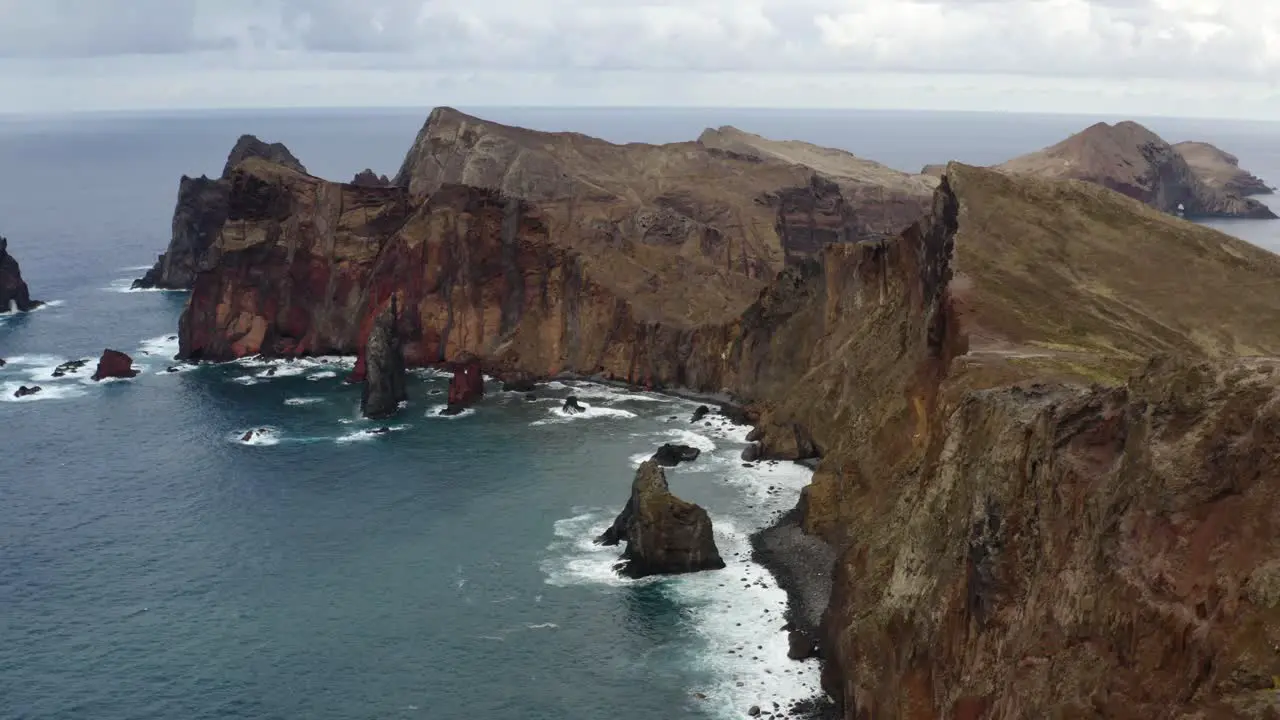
column 1220, row 169
column 712, row 203
column 1031, row 517
column 14, row 294
column 1022, row 533
column 200, row 213
column 1130, row 159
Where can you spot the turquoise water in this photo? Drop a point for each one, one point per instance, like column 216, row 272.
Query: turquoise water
column 152, row 565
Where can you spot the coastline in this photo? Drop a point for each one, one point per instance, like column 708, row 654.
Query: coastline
column 802, row 566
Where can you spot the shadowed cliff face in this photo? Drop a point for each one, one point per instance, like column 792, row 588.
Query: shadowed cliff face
column 13, row 290
column 200, row 213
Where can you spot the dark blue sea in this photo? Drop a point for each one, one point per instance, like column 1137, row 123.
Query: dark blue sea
column 153, row 565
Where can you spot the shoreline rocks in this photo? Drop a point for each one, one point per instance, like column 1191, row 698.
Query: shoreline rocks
column 671, row 454
column 114, row 364
column 14, row 293
column 664, row 535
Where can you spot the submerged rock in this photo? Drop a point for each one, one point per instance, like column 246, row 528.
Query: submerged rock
column 466, row 386
column 25, row 391
column 14, row 293
column 71, row 366
column 571, row 406
column 114, row 364
column 384, row 375
column 670, row 455
column 664, row 534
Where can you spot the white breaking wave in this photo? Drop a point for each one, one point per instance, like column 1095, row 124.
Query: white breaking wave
column 589, row 412
column 303, row 401
column 370, row 434
column 322, row 375
column 257, row 437
column 125, row 285
column 164, row 346
column 435, row 410
column 738, row 612
column 48, row 391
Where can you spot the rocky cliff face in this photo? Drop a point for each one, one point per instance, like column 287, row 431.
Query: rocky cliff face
column 1221, row 170
column 664, row 534
column 1130, row 159
column 1012, row 489
column 14, row 294
column 200, row 213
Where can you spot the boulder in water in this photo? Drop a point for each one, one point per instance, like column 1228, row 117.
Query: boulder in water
column 571, row 406
column 664, row 534
column 700, row 413
column 671, row 455
column 25, row 391
column 114, row 364
column 69, row 367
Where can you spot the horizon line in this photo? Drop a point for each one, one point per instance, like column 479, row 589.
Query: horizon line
column 426, row 109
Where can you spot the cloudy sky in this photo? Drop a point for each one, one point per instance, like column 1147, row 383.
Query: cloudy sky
column 1217, row 58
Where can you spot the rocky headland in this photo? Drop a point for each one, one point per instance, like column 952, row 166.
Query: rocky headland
column 1130, row 159
column 200, row 213
column 1046, row 460
column 14, row 294
column 1220, row 169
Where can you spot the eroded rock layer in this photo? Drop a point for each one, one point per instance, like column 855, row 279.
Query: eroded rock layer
column 200, row 213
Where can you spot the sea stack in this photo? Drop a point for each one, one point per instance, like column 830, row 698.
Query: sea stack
column 466, row 386
column 14, row 294
column 201, row 211
column 114, row 364
column 664, row 534
column 384, row 376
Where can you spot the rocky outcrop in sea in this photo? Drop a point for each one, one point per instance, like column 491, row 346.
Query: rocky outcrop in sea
column 663, row 534
column 114, row 364
column 14, row 294
column 384, row 373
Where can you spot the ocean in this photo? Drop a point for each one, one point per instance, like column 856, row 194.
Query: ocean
column 155, row 565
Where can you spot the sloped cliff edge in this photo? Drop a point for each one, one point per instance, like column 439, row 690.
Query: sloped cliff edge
column 1014, row 540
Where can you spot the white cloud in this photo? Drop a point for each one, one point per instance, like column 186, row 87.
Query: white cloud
column 153, row 53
